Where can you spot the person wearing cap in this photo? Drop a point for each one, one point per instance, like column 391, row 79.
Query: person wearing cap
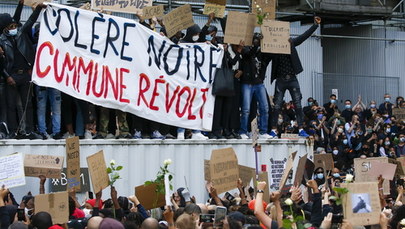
column 19, row 58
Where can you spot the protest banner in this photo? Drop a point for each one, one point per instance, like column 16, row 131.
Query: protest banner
column 398, row 113
column 218, row 10
column 12, row 170
column 61, row 184
column 267, row 7
column 401, row 160
column 287, row 170
column 98, row 171
column 124, row 6
column 275, row 37
column 73, row 163
column 239, row 27
column 56, row 204
column 47, row 165
column 34, row 3
column 178, row 19
column 362, row 169
column 324, row 160
column 224, row 170
column 153, row 11
column 362, row 203
column 148, row 196
column 120, row 64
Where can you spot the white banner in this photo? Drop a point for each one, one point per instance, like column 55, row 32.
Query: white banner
column 117, row 63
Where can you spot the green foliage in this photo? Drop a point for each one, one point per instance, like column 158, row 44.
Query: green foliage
column 340, row 191
column 112, row 171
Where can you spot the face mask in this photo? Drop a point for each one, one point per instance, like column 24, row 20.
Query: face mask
column 335, row 152
column 87, row 212
column 13, row 32
column 386, row 116
column 402, row 139
column 208, row 37
column 310, row 103
column 345, row 141
column 336, row 175
column 388, row 130
column 369, row 130
column 195, row 38
column 319, row 176
column 320, row 116
column 360, row 133
column 372, row 106
column 348, row 106
column 28, row 212
column 387, row 143
column 340, row 130
column 333, row 101
column 387, row 99
column 280, row 121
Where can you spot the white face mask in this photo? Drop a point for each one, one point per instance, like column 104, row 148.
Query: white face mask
column 340, row 130
column 87, row 213
column 335, row 152
column 28, row 212
column 195, row 38
column 13, row 32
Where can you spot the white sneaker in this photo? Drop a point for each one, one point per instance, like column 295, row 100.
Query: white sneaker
column 180, row 135
column 68, row 135
column 87, row 134
column 244, row 136
column 110, row 136
column 265, row 136
column 198, row 136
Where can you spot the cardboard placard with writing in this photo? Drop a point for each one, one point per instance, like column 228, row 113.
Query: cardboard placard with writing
column 73, row 163
column 47, row 165
column 265, row 6
column 287, row 170
column 224, row 169
column 362, row 169
column 178, row 19
column 153, row 11
column 133, row 6
column 12, row 170
column 148, row 196
column 263, row 176
column 324, row 160
column 207, row 175
column 61, row 184
column 362, row 203
column 56, row 204
column 401, row 161
column 34, row 3
column 300, row 170
column 98, row 171
column 239, row 27
column 218, row 10
column 246, row 174
column 399, row 171
column 275, row 37
column 399, row 113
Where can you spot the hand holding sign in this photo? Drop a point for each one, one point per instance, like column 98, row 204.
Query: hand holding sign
column 317, row 20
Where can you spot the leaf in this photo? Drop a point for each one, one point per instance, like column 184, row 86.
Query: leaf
column 109, row 170
column 287, row 224
column 171, row 187
column 341, row 190
column 148, row 183
column 339, row 201
column 170, row 177
column 118, row 168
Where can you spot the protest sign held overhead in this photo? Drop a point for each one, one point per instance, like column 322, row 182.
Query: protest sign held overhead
column 224, row 170
column 218, row 10
column 73, row 163
column 148, row 196
column 178, row 19
column 124, row 6
column 239, row 27
column 12, row 170
column 153, row 11
column 275, row 37
column 56, row 204
column 46, row 165
column 98, row 171
column 120, row 64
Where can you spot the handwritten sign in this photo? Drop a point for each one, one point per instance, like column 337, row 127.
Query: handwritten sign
column 239, row 27
column 148, row 196
column 362, row 168
column 246, row 174
column 153, row 11
column 275, row 37
column 73, row 163
column 12, row 170
column 276, row 172
column 178, row 19
column 218, row 10
column 125, row 6
column 47, row 165
column 224, row 169
column 56, row 204
column 324, row 160
column 264, row 176
column 399, row 113
column 287, row 170
column 98, row 171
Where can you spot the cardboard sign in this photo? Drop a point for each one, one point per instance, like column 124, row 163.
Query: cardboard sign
column 324, row 160
column 224, row 169
column 47, row 165
column 207, row 175
column 362, row 169
column 255, row 131
column 289, row 136
column 126, row 6
column 276, row 172
column 217, row 2
column 98, row 171
column 60, row 184
column 275, row 37
column 239, row 27
column 362, row 203
column 287, row 170
column 34, row 3
column 387, row 170
column 12, row 170
column 399, row 113
column 153, row 11
column 56, row 204
column 148, row 196
column 265, row 7
column 401, row 160
column 218, row 10
column 300, row 170
column 246, row 174
column 73, row 163
column 178, row 19
column 264, row 176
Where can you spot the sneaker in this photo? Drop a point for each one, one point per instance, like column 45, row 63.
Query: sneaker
column 212, row 136
column 33, row 136
column 57, row 136
column 304, row 134
column 180, row 135
column 169, row 136
column 157, row 135
column 4, row 128
column 68, row 135
column 110, row 136
column 124, row 136
column 137, row 135
column 244, row 136
column 198, row 136
column 45, row 136
column 87, row 134
column 273, row 134
column 265, row 136
column 98, row 136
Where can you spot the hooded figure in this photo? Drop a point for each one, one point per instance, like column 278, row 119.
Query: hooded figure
column 192, row 34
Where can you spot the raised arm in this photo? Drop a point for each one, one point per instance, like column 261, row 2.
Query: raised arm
column 259, row 211
column 301, row 38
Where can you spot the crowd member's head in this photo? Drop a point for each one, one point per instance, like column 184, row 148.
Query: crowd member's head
column 109, row 223
column 319, row 176
column 212, row 33
column 256, row 39
column 41, row 220
column 348, row 104
column 193, row 210
column 398, row 101
column 135, row 217
column 192, row 34
column 332, row 98
column 150, row 223
column 94, row 222
column 185, row 221
column 18, row 225
column 310, row 101
column 387, row 98
column 7, row 25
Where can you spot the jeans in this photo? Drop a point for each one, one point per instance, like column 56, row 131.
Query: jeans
column 45, row 94
column 293, row 87
column 259, row 91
